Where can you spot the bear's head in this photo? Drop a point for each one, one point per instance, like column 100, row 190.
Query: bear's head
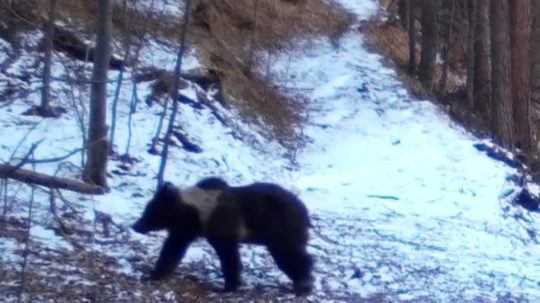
column 161, row 211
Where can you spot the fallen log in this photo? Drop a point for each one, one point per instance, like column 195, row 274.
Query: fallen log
column 31, row 177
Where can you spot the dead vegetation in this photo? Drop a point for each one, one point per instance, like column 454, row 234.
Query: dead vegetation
column 82, row 273
column 237, row 40
column 240, row 39
column 390, row 39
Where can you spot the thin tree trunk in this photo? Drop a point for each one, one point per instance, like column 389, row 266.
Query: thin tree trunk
column 132, row 109
column 426, row 69
column 535, row 67
column 411, row 8
column 155, row 140
column 446, row 52
column 134, row 99
column 49, row 44
column 403, row 12
column 253, row 35
column 119, row 83
column 114, row 109
column 471, row 38
column 501, row 72
column 174, row 95
column 520, row 17
column 482, row 64
column 96, row 165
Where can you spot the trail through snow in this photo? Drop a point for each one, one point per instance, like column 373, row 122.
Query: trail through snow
column 410, row 208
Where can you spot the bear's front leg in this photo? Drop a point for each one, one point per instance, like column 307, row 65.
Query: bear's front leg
column 172, row 252
column 229, row 257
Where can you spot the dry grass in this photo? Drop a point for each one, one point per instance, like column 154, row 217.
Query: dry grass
column 272, row 24
column 392, row 42
column 237, row 40
column 389, row 39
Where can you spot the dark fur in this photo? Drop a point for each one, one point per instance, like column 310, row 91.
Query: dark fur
column 273, row 217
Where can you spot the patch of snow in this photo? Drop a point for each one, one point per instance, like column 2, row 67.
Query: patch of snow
column 164, row 57
column 404, row 179
column 40, row 233
column 8, row 248
column 165, row 7
column 362, row 9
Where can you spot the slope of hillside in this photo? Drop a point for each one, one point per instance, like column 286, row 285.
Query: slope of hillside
column 405, row 209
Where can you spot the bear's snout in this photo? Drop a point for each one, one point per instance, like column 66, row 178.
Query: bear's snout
column 139, row 227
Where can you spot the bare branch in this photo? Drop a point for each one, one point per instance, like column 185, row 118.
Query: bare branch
column 57, row 159
column 30, row 177
column 21, row 142
column 26, row 158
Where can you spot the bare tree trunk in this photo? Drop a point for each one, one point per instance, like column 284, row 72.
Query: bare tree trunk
column 174, row 95
column 426, row 69
column 520, row 17
column 446, row 50
column 155, row 140
column 403, row 13
column 411, row 9
column 535, row 63
column 471, row 38
column 96, row 167
column 132, row 109
column 49, row 44
column 119, row 82
column 482, row 64
column 501, row 72
column 251, row 50
column 114, row 108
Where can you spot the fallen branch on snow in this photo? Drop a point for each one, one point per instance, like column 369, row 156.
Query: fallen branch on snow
column 31, row 177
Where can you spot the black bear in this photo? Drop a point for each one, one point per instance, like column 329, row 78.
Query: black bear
column 259, row 213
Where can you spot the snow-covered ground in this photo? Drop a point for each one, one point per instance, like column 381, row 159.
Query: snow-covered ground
column 416, row 208
column 405, row 208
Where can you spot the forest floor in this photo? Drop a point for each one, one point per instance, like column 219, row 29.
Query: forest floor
column 404, row 207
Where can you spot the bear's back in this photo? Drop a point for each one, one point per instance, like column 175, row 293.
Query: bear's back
column 271, row 209
column 204, row 201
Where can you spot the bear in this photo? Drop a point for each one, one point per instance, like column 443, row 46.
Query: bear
column 226, row 216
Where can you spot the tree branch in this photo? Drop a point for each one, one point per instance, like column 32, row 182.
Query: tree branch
column 30, row 177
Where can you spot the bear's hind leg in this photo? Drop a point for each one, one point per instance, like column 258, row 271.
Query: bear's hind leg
column 297, row 264
column 172, row 252
column 229, row 257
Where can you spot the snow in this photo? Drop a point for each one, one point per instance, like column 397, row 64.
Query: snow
column 371, row 139
column 164, row 7
column 403, row 206
column 362, row 9
column 8, row 248
column 39, row 233
column 164, row 57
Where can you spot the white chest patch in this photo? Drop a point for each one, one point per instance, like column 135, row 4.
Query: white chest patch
column 205, row 201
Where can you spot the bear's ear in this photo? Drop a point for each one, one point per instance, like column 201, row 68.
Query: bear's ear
column 168, row 190
column 212, row 183
column 167, row 185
